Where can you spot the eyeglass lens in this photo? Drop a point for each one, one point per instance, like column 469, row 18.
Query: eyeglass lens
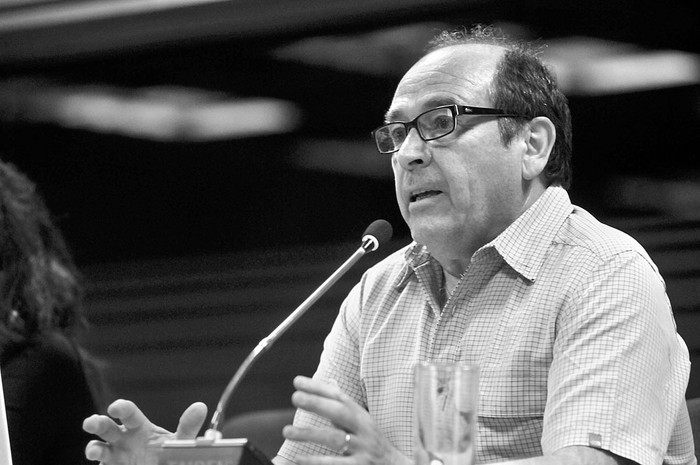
column 431, row 125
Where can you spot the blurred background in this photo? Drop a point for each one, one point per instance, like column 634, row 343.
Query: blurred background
column 210, row 162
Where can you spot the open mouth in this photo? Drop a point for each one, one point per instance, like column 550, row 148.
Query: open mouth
column 424, row 195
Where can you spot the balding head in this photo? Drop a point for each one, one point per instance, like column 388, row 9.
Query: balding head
column 515, row 80
column 454, row 74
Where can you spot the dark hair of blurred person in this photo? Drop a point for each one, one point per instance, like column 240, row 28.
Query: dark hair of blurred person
column 50, row 383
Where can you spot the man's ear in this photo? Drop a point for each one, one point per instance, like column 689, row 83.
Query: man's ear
column 539, row 140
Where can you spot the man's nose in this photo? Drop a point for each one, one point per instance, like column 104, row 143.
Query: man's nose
column 413, row 152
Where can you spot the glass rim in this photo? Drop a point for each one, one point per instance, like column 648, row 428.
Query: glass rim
column 446, row 364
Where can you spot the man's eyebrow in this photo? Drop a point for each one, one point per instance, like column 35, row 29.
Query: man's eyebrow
column 395, row 114
column 392, row 115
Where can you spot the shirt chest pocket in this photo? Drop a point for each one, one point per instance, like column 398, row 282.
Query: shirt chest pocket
column 513, row 389
column 511, row 411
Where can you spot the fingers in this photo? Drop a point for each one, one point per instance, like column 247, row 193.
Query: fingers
column 103, row 427
column 327, row 408
column 327, row 400
column 191, row 421
column 322, row 460
column 92, row 424
column 354, row 435
column 97, row 451
column 320, row 388
column 128, row 413
column 332, row 438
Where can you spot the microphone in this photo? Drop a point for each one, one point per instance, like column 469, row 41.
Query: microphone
column 239, row 451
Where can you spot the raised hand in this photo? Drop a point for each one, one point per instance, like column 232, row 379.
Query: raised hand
column 354, row 434
column 127, row 431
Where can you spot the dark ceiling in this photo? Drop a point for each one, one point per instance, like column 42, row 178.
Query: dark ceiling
column 35, row 32
column 121, row 197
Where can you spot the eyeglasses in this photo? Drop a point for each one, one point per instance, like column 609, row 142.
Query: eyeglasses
column 432, row 124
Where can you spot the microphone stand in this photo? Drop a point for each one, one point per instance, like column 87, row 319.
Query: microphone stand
column 211, row 448
column 369, row 244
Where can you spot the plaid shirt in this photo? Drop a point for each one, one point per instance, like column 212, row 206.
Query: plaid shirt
column 570, row 325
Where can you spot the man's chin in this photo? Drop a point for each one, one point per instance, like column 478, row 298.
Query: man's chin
column 427, row 232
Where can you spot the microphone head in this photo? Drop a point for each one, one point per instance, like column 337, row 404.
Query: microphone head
column 377, row 233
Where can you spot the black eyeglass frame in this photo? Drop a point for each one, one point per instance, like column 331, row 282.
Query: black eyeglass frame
column 456, row 110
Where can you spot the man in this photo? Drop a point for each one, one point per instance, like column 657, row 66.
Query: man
column 567, row 319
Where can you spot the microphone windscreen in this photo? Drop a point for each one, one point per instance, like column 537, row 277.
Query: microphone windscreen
column 381, row 230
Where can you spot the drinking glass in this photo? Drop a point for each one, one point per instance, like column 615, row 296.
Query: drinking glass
column 445, row 402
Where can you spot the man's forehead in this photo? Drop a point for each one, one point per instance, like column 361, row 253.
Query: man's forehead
column 455, row 74
column 474, row 54
column 402, row 108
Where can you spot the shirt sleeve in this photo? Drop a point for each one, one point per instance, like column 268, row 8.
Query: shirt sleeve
column 619, row 370
column 339, row 364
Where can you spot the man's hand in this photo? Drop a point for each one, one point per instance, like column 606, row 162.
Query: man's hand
column 354, row 435
column 125, row 442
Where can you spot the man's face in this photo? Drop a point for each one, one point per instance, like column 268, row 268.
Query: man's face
column 467, row 185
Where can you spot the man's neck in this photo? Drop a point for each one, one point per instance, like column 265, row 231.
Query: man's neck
column 451, row 281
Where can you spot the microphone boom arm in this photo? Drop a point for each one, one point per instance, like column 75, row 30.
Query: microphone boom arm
column 368, row 244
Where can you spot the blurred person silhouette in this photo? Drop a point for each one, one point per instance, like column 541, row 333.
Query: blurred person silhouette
column 50, row 382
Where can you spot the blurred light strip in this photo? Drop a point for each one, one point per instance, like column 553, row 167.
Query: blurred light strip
column 583, row 65
column 69, row 12
column 587, row 66
column 643, row 71
column 19, row 15
column 164, row 114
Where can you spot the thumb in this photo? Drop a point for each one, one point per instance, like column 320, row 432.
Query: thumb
column 191, row 421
